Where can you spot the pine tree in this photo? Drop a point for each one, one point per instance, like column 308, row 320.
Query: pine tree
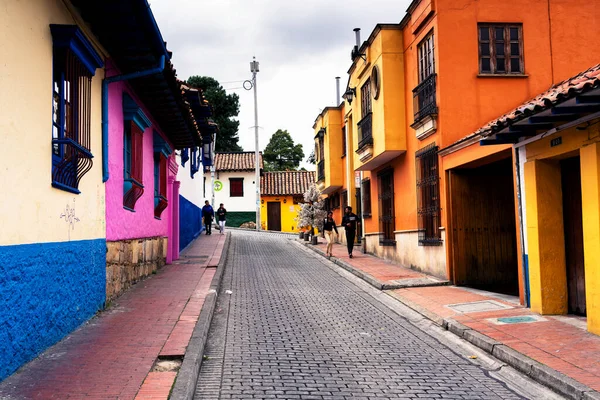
column 312, row 213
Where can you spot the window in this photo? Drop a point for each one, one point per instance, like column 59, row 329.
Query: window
column 236, row 187
column 162, row 151
column 428, row 195
column 365, row 98
column 386, row 207
column 133, row 186
column 343, row 141
column 74, row 64
column 501, row 49
column 204, row 188
column 344, row 200
column 195, row 162
column 366, row 197
column 335, row 201
column 426, row 58
column 134, row 124
column 298, row 199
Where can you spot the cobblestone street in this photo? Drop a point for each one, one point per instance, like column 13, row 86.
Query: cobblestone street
column 287, row 326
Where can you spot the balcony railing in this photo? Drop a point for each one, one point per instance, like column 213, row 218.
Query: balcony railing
column 365, row 131
column 321, row 170
column 424, row 98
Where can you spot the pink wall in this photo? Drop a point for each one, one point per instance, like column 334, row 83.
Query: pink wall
column 122, row 223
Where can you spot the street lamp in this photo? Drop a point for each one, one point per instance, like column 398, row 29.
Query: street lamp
column 254, row 68
column 349, row 95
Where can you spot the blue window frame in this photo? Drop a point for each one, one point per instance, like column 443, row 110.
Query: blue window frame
column 162, row 151
column 74, row 64
column 134, row 122
column 185, row 156
column 195, row 162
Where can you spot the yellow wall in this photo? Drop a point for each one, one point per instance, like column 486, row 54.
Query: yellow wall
column 331, row 119
column 289, row 212
column 31, row 207
column 546, row 270
column 389, row 119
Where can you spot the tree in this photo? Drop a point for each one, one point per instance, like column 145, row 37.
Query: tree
column 281, row 154
column 312, row 212
column 225, row 108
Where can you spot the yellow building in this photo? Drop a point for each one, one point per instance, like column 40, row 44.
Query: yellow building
column 556, row 137
column 281, row 194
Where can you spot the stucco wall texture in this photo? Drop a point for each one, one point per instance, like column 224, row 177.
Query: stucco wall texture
column 47, row 291
column 121, row 223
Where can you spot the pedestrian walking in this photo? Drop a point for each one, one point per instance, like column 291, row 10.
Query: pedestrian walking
column 221, row 215
column 328, row 229
column 207, row 215
column 350, row 221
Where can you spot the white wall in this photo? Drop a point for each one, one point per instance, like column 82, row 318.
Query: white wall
column 191, row 189
column 246, row 203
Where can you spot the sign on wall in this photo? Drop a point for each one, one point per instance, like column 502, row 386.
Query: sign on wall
column 218, row 186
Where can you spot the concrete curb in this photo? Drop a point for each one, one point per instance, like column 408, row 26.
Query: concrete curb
column 187, row 378
column 537, row 371
column 427, row 282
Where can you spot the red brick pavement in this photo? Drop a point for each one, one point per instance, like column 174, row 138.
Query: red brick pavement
column 562, row 346
column 112, row 355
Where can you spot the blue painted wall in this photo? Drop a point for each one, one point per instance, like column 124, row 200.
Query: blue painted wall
column 46, row 291
column 190, row 222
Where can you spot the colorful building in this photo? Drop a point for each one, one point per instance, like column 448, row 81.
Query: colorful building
column 556, row 141
column 431, row 198
column 281, row 194
column 234, row 185
column 93, row 204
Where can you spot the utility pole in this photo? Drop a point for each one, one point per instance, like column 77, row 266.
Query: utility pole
column 254, row 69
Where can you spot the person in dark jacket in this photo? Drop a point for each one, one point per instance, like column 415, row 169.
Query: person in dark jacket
column 350, row 221
column 207, row 215
column 221, row 215
column 328, row 229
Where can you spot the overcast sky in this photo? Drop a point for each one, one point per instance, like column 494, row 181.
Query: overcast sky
column 301, row 46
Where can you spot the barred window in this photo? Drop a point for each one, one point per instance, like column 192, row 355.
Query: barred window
column 343, row 141
column 344, row 199
column 133, row 171
column 428, row 196
column 387, row 217
column 366, row 197
column 335, row 201
column 74, row 64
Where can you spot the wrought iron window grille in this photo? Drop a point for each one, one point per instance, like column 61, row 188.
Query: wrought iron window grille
column 428, row 196
column 74, row 64
column 365, row 131
column 424, row 98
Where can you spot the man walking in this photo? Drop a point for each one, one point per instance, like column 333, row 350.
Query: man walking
column 349, row 222
column 221, row 214
column 207, row 215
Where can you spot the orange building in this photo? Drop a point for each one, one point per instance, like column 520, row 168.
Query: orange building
column 433, row 199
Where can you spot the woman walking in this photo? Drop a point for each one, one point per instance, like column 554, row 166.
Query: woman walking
column 328, row 228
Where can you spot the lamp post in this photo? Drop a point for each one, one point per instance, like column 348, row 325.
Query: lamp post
column 254, row 69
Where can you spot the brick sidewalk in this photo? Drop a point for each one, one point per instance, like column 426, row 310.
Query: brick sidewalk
column 560, row 342
column 112, row 356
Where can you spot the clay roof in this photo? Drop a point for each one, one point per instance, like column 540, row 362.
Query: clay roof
column 567, row 89
column 236, row 161
column 280, row 183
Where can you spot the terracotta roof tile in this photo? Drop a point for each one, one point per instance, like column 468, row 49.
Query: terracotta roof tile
column 236, row 161
column 569, row 88
column 282, row 183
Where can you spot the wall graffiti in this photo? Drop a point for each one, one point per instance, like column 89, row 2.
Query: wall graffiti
column 70, row 218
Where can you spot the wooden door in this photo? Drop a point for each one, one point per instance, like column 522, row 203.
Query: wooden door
column 573, row 221
column 274, row 216
column 483, row 228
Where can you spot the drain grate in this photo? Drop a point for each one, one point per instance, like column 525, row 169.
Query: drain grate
column 478, row 306
column 522, row 319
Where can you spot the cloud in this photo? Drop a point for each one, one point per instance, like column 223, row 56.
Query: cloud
column 301, row 47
